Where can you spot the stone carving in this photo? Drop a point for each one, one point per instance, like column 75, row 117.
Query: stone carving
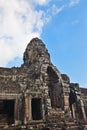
column 36, row 95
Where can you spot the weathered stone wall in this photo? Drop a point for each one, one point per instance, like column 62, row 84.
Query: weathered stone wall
column 39, row 82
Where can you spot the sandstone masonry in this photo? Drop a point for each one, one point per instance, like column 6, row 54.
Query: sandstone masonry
column 36, row 96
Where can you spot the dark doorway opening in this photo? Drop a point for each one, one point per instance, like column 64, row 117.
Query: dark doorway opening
column 36, row 109
column 54, row 87
column 7, row 111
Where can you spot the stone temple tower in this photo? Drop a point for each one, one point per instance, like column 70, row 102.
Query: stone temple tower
column 37, row 96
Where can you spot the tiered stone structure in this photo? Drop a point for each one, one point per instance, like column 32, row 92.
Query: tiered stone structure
column 36, row 96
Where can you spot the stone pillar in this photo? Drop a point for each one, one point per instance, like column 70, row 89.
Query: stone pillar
column 66, row 103
column 83, row 110
column 48, row 105
column 27, row 108
column 16, row 115
column 30, row 110
column 73, row 110
column 25, row 118
column 43, row 109
column 48, row 102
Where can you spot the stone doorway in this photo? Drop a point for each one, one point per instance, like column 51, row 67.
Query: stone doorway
column 36, row 106
column 54, row 88
column 7, row 111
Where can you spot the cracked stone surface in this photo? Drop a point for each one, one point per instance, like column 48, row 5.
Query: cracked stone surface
column 39, row 79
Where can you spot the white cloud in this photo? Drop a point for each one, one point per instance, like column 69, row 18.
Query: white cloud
column 40, row 2
column 56, row 10
column 73, row 2
column 19, row 22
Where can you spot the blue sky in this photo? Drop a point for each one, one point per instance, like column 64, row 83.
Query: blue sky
column 61, row 24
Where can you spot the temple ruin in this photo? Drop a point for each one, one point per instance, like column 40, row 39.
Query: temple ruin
column 36, row 96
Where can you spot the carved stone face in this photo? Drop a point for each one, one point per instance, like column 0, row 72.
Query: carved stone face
column 36, row 52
